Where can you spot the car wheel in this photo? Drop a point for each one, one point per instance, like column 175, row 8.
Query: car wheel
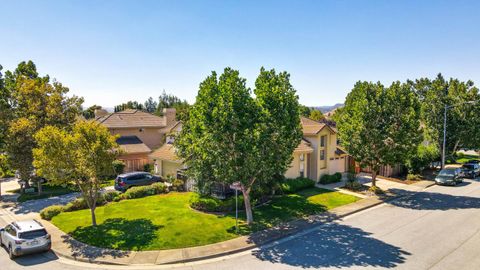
column 10, row 252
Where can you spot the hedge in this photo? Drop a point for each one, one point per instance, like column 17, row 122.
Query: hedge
column 49, row 212
column 210, row 204
column 295, row 185
column 143, row 191
column 328, row 179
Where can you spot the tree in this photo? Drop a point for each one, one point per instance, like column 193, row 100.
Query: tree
column 150, row 105
column 34, row 102
column 82, row 155
column 305, row 111
column 129, row 105
column 316, row 115
column 230, row 136
column 4, row 111
column 89, row 113
column 171, row 101
column 380, row 126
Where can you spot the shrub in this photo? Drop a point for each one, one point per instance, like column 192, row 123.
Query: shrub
column 328, row 179
column 178, row 185
column 147, row 167
column 210, row 204
column 376, row 190
column 353, row 185
column 143, row 191
column 297, row 184
column 77, row 204
column 49, row 212
column 118, row 166
column 412, row 176
column 110, row 196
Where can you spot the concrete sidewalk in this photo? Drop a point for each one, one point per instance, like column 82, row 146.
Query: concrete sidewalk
column 65, row 246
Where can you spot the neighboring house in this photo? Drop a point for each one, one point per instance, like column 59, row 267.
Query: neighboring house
column 140, row 133
column 317, row 153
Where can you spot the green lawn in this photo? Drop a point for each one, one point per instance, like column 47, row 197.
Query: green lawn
column 467, row 158
column 47, row 192
column 166, row 221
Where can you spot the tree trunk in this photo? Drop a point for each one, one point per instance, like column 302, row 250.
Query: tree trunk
column 374, row 178
column 39, row 186
column 94, row 219
column 248, row 206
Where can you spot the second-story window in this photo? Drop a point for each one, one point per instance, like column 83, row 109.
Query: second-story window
column 323, row 140
column 322, row 154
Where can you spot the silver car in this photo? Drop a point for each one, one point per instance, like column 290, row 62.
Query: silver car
column 25, row 237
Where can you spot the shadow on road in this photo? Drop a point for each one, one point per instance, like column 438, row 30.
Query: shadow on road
column 334, row 245
column 33, row 259
column 434, row 201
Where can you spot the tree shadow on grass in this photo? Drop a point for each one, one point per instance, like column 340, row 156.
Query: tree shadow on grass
column 113, row 237
column 334, row 245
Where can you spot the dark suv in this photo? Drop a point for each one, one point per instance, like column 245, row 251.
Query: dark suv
column 471, row 170
column 128, row 180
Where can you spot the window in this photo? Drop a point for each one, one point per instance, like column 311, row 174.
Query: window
column 322, row 154
column 323, row 140
column 33, row 234
column 10, row 230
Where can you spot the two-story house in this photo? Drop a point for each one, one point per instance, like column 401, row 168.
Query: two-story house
column 317, row 153
column 139, row 132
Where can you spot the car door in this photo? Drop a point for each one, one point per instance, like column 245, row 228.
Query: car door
column 8, row 235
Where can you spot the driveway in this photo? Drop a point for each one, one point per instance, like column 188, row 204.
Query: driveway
column 435, row 229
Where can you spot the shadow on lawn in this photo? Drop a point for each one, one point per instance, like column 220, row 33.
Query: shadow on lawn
column 115, row 235
column 334, row 245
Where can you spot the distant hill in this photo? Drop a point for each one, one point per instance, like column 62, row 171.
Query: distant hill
column 325, row 109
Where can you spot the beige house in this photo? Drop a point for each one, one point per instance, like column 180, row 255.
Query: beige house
column 317, row 153
column 139, row 132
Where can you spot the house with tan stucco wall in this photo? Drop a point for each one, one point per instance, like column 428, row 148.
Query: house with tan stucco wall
column 317, row 153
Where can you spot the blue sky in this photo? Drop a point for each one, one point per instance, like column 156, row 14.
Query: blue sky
column 113, row 51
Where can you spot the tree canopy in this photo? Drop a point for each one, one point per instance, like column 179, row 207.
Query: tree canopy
column 230, row 136
column 379, row 125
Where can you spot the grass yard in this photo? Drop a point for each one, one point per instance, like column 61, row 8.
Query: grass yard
column 47, row 192
column 467, row 158
column 167, row 221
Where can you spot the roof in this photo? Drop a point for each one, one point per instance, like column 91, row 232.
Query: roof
column 132, row 145
column 340, row 151
column 312, row 127
column 165, row 152
column 28, row 225
column 170, row 127
column 303, row 147
column 130, row 119
column 131, row 173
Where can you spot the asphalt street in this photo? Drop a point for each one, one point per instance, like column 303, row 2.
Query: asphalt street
column 435, row 229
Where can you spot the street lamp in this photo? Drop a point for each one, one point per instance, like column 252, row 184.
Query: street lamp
column 445, row 126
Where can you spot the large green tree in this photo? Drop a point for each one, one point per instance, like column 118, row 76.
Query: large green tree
column 82, row 155
column 33, row 103
column 380, row 126
column 230, row 136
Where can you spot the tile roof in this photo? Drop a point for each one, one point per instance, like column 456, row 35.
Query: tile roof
column 132, row 145
column 165, row 152
column 311, row 127
column 170, row 127
column 303, row 147
column 131, row 119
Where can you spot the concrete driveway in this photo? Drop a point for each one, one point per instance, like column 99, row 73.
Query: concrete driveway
column 435, row 229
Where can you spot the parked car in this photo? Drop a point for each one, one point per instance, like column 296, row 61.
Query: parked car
column 471, row 170
column 474, row 161
column 24, row 237
column 128, row 180
column 449, row 176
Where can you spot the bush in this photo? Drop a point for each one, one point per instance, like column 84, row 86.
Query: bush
column 295, row 185
column 77, row 204
column 210, row 204
column 111, row 196
column 178, row 185
column 143, row 191
column 328, row 179
column 412, row 176
column 49, row 212
column 353, row 185
column 118, row 166
column 147, row 167
column 376, row 190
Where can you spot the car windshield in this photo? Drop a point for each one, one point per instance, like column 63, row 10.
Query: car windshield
column 468, row 166
column 447, row 173
column 32, row 234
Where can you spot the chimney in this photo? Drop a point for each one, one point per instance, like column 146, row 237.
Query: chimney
column 169, row 115
column 100, row 112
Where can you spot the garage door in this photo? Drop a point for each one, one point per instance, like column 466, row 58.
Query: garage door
column 170, row 168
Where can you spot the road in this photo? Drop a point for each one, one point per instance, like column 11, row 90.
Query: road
column 435, row 229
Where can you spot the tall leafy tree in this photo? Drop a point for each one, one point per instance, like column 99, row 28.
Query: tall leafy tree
column 34, row 102
column 150, row 105
column 316, row 115
column 89, row 113
column 230, row 136
column 82, row 155
column 380, row 126
column 171, row 101
column 128, row 105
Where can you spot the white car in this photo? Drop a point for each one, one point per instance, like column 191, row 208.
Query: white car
column 25, row 237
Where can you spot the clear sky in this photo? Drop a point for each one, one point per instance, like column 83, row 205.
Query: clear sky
column 113, row 51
